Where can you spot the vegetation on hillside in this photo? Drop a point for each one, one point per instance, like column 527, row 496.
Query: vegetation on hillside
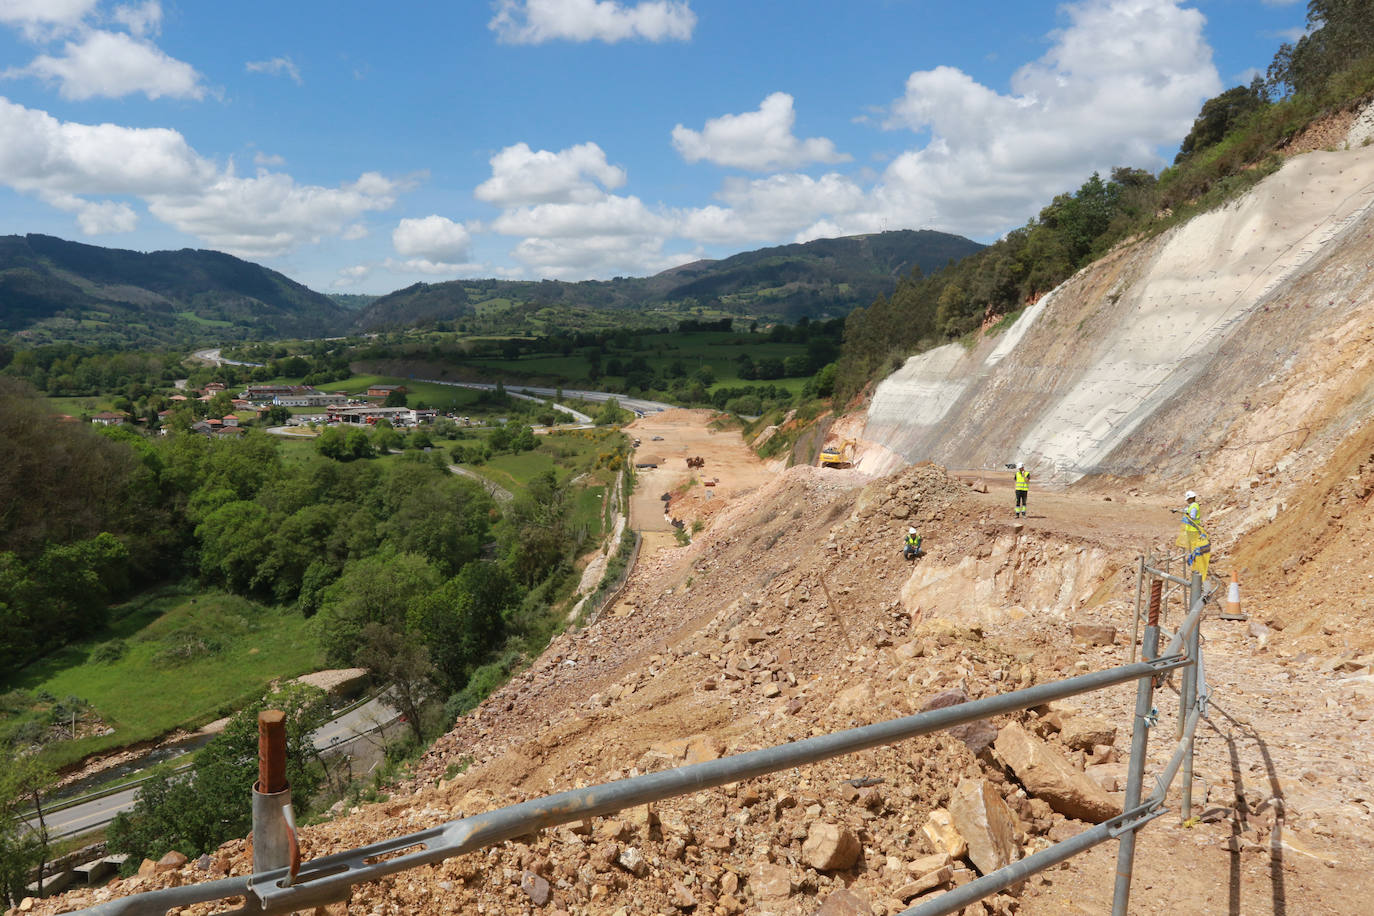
column 819, row 279
column 59, row 291
column 1235, row 141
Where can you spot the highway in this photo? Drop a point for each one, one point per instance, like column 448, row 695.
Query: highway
column 97, row 812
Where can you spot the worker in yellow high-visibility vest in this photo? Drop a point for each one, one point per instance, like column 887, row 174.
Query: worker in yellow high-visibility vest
column 1192, row 537
column 1022, row 489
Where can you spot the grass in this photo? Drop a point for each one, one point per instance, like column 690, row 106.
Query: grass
column 179, row 660
column 206, row 322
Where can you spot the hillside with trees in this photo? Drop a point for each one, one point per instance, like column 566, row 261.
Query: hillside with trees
column 57, row 291
column 825, row 278
column 1238, row 138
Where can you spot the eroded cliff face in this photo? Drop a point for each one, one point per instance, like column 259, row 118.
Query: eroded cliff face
column 1196, row 352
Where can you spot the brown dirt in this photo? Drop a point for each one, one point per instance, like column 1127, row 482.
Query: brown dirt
column 791, row 614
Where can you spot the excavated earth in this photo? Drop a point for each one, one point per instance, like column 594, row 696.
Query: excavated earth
column 792, row 614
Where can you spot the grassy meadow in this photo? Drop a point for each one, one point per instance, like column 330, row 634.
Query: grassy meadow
column 172, row 658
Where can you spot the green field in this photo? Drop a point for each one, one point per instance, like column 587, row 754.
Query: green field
column 441, row 397
column 180, row 660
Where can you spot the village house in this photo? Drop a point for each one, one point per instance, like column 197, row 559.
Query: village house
column 108, row 418
column 381, row 391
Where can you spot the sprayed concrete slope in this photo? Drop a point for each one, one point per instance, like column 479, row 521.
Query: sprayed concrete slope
column 1144, row 325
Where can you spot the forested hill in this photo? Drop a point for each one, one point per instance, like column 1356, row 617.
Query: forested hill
column 53, row 290
column 822, row 278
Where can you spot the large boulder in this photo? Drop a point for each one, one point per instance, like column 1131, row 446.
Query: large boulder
column 986, row 823
column 1049, row 775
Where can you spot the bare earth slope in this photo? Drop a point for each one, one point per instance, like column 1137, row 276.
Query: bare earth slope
column 792, row 614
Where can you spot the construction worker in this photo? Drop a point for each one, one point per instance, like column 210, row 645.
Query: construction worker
column 1192, row 537
column 912, row 550
column 1022, row 489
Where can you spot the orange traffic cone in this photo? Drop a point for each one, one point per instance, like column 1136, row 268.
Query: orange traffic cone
column 1233, row 599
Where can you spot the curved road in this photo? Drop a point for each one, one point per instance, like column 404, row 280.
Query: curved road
column 371, row 716
column 639, row 406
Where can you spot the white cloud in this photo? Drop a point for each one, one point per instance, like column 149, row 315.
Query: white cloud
column 435, row 238
column 538, row 21
column 351, row 276
column 277, row 66
column 757, row 140
column 767, row 208
column 268, row 159
column 1120, row 82
column 429, row 268
column 1124, row 78
column 521, row 176
column 143, row 19
column 270, row 213
column 611, row 216
column 265, row 215
column 113, row 65
column 354, row 232
column 103, row 217
column 39, row 19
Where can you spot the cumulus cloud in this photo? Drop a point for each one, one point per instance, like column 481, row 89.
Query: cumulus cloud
column 756, row 140
column 259, row 216
column 141, row 19
column 434, row 238
column 113, row 65
column 39, row 19
column 1122, row 79
column 521, row 176
column 277, row 66
column 351, row 276
column 772, row 207
column 104, row 217
column 538, row 21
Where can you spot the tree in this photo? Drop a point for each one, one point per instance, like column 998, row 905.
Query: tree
column 22, row 849
column 377, row 589
column 395, row 398
column 277, row 415
column 1219, row 115
column 399, row 661
column 193, row 814
column 463, row 620
column 1340, row 35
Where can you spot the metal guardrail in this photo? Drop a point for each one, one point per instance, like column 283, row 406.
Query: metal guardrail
column 329, row 878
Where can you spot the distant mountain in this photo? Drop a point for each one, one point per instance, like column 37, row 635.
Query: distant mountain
column 819, row 279
column 53, row 290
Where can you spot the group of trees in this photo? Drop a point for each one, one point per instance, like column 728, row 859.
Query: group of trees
column 193, row 813
column 1332, row 64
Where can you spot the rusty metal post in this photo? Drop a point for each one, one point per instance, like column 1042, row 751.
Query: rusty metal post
column 274, row 830
column 1139, row 595
column 1140, row 738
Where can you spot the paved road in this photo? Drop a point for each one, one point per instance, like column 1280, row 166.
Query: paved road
column 98, row 812
column 211, row 355
column 637, row 405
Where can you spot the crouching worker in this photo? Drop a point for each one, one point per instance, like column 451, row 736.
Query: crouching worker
column 912, row 550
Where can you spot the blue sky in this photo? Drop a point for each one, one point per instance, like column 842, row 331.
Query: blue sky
column 360, row 147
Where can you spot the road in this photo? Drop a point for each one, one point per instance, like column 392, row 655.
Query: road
column 97, row 812
column 638, row 406
column 211, row 355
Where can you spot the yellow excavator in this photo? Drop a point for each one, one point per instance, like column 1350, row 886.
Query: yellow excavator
column 838, row 455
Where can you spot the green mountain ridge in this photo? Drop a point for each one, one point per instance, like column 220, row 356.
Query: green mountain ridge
column 54, row 291
column 825, row 278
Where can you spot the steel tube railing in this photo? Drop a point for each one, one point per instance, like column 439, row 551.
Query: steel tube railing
column 991, row 883
column 328, row 879
column 1135, row 775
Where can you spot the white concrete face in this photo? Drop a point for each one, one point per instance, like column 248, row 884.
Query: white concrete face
column 1165, row 319
column 1209, row 276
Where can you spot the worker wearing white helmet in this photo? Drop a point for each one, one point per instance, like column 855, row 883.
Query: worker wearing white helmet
column 912, row 549
column 1022, row 489
column 1192, row 537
